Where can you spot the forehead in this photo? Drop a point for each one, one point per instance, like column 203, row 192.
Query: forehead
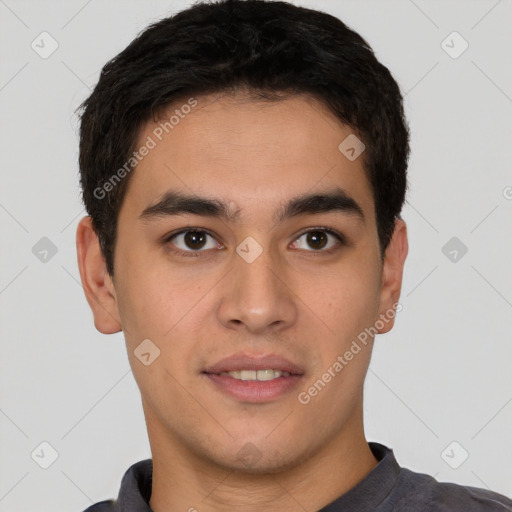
column 246, row 152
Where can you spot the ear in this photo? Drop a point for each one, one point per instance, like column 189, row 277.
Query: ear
column 391, row 278
column 96, row 281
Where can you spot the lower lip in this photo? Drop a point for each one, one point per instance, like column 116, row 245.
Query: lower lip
column 254, row 390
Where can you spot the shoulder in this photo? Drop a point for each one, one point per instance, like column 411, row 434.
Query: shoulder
column 415, row 489
column 134, row 492
column 102, row 506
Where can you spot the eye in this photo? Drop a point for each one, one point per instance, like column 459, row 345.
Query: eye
column 318, row 239
column 192, row 241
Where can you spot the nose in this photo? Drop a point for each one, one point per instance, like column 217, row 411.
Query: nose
column 257, row 296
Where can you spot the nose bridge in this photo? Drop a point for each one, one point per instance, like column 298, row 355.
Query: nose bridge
column 256, row 295
column 258, row 277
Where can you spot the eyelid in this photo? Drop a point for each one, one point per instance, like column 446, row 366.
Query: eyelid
column 341, row 239
column 325, row 229
column 339, row 236
column 167, row 240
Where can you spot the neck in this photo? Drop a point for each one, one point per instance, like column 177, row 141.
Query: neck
column 185, row 481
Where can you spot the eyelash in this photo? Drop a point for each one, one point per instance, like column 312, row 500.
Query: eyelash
column 195, row 254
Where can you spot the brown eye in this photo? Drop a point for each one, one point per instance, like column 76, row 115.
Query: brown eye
column 193, row 241
column 318, row 241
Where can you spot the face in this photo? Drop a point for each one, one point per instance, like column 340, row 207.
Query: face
column 267, row 276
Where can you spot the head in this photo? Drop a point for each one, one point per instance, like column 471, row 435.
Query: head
column 249, row 123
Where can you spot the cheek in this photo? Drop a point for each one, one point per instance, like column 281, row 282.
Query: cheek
column 145, row 303
column 151, row 309
column 348, row 305
column 164, row 305
column 350, row 297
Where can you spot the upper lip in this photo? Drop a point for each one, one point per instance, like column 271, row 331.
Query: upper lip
column 237, row 362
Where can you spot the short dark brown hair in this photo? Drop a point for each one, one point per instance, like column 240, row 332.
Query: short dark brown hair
column 271, row 48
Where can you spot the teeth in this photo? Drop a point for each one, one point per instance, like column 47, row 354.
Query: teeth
column 260, row 375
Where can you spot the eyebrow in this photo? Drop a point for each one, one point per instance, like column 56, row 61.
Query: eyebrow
column 177, row 203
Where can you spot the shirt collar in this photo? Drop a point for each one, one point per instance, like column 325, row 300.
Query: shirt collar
column 373, row 489
column 135, row 491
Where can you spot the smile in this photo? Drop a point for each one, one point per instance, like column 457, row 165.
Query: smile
column 261, row 375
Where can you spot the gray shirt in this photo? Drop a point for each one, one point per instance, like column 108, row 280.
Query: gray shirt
column 388, row 487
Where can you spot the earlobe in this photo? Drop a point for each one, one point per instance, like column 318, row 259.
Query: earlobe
column 392, row 272
column 97, row 283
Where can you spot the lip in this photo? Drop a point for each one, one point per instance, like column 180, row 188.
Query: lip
column 252, row 390
column 238, row 362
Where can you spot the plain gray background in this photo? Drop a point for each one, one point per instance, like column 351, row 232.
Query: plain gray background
column 439, row 385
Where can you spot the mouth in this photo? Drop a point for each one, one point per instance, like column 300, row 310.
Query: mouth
column 254, row 379
column 259, row 375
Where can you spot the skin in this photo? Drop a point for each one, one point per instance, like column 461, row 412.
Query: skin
column 293, row 300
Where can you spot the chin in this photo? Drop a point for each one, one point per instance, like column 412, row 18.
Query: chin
column 250, row 459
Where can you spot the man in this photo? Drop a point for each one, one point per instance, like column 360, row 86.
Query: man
column 243, row 164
